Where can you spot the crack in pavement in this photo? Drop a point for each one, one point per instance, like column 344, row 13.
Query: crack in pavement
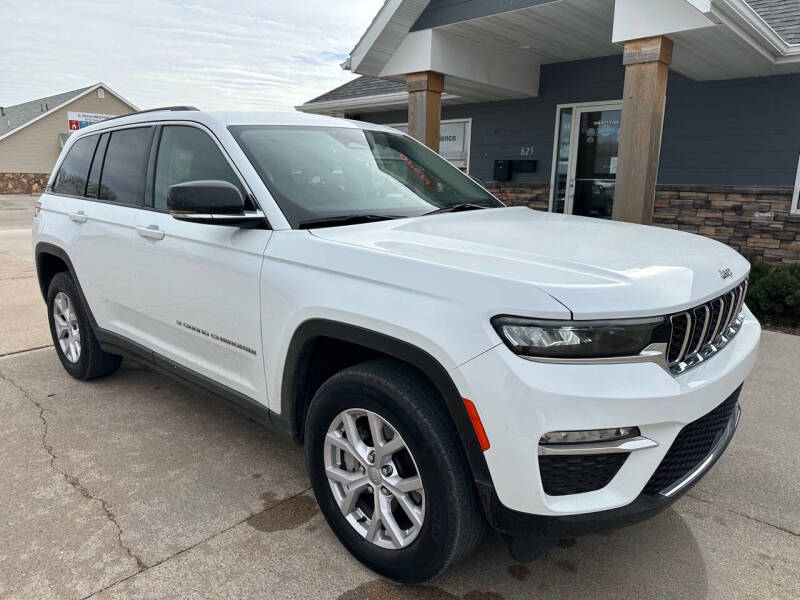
column 14, row 352
column 740, row 514
column 15, row 277
column 195, row 545
column 72, row 480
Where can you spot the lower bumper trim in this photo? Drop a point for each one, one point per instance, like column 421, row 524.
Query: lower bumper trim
column 519, row 524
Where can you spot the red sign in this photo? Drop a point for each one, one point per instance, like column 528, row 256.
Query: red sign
column 73, row 125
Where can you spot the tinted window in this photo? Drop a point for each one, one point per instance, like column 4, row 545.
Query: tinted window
column 188, row 154
column 71, row 178
column 92, row 186
column 125, row 166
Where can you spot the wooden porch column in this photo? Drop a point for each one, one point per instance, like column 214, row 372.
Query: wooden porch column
column 646, row 67
column 425, row 106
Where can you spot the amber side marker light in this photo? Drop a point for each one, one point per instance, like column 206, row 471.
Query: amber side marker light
column 476, row 424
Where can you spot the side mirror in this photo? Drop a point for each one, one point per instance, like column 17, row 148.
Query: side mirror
column 213, row 202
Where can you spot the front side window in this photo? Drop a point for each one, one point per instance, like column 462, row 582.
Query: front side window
column 125, row 166
column 71, row 178
column 188, row 154
column 329, row 172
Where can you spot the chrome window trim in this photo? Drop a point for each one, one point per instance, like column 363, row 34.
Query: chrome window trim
column 246, row 215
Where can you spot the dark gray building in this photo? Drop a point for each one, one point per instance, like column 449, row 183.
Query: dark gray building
column 683, row 113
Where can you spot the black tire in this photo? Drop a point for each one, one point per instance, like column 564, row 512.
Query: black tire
column 454, row 523
column 93, row 361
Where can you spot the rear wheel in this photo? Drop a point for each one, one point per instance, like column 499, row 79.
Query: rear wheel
column 388, row 472
column 73, row 338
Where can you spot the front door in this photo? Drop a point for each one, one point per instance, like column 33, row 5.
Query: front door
column 585, row 171
column 197, row 300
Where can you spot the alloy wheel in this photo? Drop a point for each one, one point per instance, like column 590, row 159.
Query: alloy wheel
column 374, row 478
column 68, row 331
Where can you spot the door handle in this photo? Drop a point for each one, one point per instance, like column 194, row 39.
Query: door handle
column 78, row 217
column 151, row 232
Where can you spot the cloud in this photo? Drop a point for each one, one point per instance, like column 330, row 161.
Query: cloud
column 214, row 54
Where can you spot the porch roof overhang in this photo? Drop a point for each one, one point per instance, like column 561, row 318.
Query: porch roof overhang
column 498, row 56
column 367, row 104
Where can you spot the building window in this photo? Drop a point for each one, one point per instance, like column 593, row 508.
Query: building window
column 455, row 139
column 796, row 196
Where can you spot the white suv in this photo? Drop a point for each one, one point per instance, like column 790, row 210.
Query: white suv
column 447, row 361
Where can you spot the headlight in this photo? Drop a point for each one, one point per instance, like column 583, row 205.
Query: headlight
column 579, row 339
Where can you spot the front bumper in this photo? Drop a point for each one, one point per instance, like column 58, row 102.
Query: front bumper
column 519, row 400
column 644, row 506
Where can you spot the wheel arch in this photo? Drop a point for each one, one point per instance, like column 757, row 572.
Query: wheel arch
column 295, row 396
column 51, row 259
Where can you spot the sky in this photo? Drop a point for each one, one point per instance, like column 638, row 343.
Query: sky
column 234, row 54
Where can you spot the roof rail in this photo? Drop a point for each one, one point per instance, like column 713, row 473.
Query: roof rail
column 149, row 110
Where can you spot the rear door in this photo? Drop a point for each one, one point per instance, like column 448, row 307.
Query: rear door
column 197, row 300
column 65, row 201
column 103, row 253
column 96, row 187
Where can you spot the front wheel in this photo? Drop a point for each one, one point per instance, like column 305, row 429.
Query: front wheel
column 388, row 472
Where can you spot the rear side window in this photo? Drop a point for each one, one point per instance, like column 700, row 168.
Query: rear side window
column 125, row 167
column 188, row 154
column 71, row 178
column 93, row 185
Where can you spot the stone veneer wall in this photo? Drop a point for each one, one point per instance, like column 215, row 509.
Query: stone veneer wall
column 754, row 221
column 533, row 195
column 23, row 183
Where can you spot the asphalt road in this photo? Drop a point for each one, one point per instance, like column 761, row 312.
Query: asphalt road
column 136, row 487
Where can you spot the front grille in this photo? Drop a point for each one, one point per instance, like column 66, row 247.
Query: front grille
column 702, row 331
column 575, row 474
column 692, row 446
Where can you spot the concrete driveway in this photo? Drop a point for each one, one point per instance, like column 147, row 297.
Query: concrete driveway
column 136, row 487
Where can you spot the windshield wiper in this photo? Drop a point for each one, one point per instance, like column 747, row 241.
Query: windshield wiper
column 457, row 208
column 344, row 220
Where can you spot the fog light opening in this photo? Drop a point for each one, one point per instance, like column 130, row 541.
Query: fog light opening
column 588, row 436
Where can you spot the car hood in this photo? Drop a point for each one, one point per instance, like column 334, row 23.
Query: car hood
column 596, row 268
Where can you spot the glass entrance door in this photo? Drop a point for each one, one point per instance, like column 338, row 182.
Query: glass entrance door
column 585, row 169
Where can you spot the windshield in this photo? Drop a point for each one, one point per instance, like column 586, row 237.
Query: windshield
column 318, row 173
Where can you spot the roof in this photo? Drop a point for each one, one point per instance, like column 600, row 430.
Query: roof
column 19, row 114
column 782, row 15
column 366, row 85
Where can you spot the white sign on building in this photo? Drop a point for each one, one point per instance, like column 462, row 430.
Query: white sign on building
column 79, row 120
column 454, row 140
